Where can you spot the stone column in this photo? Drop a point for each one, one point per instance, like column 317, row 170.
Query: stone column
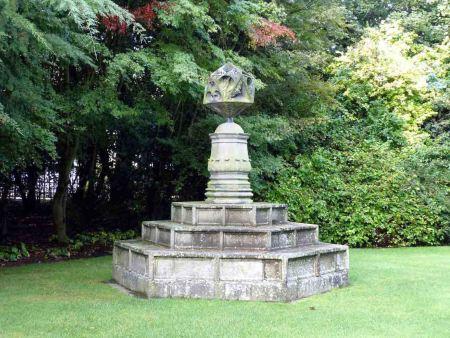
column 229, row 166
column 228, row 92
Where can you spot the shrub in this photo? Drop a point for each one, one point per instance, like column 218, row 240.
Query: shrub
column 369, row 196
column 13, row 252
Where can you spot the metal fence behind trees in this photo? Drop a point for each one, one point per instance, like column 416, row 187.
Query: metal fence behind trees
column 45, row 186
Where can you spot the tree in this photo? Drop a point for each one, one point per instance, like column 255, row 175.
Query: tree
column 47, row 50
column 374, row 172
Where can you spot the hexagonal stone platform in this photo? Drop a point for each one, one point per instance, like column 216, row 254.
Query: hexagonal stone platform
column 230, row 251
column 282, row 275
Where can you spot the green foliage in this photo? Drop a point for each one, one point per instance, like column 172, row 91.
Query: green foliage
column 12, row 253
column 85, row 13
column 366, row 196
column 57, row 252
column 374, row 171
column 88, row 240
column 272, row 142
column 84, row 243
column 42, row 43
column 384, row 78
column 361, row 77
column 103, row 238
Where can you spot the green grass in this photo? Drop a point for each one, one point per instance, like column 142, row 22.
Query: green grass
column 393, row 292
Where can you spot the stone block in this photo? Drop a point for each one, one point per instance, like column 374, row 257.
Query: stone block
column 327, row 263
column 183, row 268
column 306, row 236
column 263, row 216
column 203, row 240
column 149, row 234
column 176, row 214
column 210, row 216
column 302, row 267
column 278, row 215
column 138, row 263
column 311, row 286
column 342, row 261
column 239, row 216
column 181, row 288
column 164, row 236
column 239, row 240
column 272, row 269
column 121, row 257
column 284, row 239
column 135, row 282
column 241, row 270
column 188, row 216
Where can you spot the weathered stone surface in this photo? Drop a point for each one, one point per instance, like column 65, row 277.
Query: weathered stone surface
column 282, row 275
column 229, row 90
column 183, row 268
column 229, row 166
column 181, row 236
column 260, row 258
column 248, row 214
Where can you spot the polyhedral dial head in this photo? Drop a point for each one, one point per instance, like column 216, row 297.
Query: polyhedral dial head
column 229, row 90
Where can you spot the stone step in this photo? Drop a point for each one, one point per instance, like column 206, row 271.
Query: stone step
column 249, row 214
column 282, row 275
column 274, row 237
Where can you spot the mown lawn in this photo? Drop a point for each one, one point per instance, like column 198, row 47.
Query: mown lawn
column 393, row 292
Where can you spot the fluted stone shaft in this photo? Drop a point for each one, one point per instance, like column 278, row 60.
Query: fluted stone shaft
column 229, row 166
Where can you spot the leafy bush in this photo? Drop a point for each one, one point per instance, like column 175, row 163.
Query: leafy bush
column 103, row 238
column 13, row 252
column 365, row 197
column 57, row 252
column 89, row 240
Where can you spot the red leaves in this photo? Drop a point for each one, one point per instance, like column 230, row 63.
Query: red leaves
column 113, row 24
column 267, row 33
column 145, row 15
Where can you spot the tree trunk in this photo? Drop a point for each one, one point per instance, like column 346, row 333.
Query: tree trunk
column 3, row 203
column 104, row 172
column 85, row 191
column 27, row 189
column 68, row 149
column 32, row 178
column 18, row 182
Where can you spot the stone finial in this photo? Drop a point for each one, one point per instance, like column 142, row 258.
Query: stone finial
column 229, row 90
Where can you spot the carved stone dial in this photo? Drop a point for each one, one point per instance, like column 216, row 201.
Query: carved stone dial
column 229, row 90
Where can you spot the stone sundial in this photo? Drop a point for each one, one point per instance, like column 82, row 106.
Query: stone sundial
column 229, row 91
column 228, row 246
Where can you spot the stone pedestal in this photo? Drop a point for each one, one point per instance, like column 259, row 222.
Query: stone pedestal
column 229, row 247
column 229, row 166
column 229, row 251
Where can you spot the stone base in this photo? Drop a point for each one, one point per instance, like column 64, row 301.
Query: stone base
column 251, row 214
column 180, row 236
column 282, row 275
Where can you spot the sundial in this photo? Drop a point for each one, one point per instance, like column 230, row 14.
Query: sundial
column 229, row 91
column 228, row 246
